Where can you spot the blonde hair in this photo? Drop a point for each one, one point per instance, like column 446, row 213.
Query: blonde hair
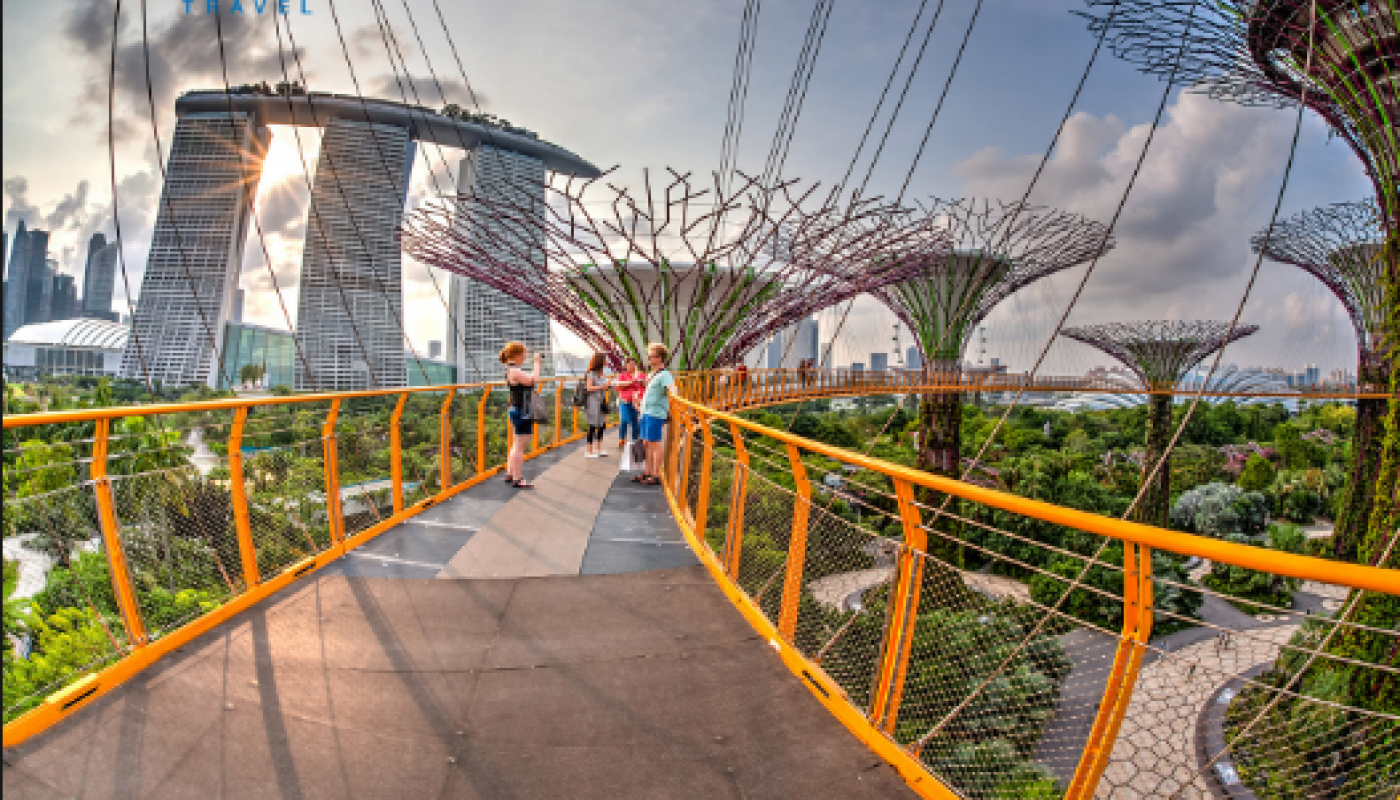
column 659, row 349
column 512, row 351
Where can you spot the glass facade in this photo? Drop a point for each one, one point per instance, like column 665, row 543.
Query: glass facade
column 438, row 372
column 270, row 348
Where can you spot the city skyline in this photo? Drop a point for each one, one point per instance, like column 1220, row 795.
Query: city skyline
column 1185, row 239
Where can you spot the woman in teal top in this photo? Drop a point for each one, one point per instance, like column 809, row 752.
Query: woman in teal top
column 655, row 409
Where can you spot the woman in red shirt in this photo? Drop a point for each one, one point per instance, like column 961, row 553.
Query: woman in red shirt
column 629, row 383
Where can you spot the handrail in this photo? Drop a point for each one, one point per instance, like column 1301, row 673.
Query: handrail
column 1360, row 576
column 255, row 584
column 234, row 403
column 770, row 563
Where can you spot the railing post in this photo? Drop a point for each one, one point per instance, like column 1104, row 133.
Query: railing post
column 682, row 456
column 238, row 497
column 702, row 496
column 1127, row 661
column 332, row 468
column 112, row 539
column 797, row 546
column 904, row 613
column 738, row 502
column 558, row 411
column 396, row 453
column 445, row 446
column 481, row 430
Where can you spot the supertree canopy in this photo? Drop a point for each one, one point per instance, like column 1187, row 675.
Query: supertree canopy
column 1160, row 354
column 708, row 271
column 998, row 248
column 1340, row 245
column 1340, row 57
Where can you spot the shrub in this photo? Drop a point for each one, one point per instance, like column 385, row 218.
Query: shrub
column 1219, row 509
column 1258, row 474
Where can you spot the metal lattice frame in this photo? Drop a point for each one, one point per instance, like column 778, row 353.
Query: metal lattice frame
column 1256, row 52
column 711, row 272
column 1159, row 352
column 1340, row 245
column 998, row 248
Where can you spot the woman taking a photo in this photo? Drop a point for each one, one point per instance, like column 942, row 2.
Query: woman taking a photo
column 593, row 411
column 522, row 387
column 630, row 383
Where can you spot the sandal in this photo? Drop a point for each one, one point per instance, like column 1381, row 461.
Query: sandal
column 649, row 480
column 636, row 478
column 523, row 484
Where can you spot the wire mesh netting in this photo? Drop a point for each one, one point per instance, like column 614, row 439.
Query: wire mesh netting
column 284, row 476
column 1017, row 648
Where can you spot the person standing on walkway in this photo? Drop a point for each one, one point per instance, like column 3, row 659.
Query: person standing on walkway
column 522, row 389
column 594, row 411
column 630, row 383
column 656, row 407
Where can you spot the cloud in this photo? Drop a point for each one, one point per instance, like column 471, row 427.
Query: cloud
column 17, row 194
column 178, row 54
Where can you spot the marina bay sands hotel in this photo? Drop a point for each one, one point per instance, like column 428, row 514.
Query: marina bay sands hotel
column 349, row 332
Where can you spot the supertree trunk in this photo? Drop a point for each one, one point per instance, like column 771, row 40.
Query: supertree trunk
column 940, row 443
column 1156, row 500
column 1367, row 435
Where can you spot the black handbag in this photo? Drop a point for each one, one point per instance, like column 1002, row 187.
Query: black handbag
column 606, row 407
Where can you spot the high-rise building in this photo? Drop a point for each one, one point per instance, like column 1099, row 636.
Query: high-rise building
column 38, row 301
column 482, row 318
column 913, row 359
column 64, row 302
column 879, row 362
column 1312, row 375
column 17, row 282
column 99, row 281
column 857, row 366
column 790, row 346
column 236, row 314
column 196, row 249
column 350, row 304
column 435, row 349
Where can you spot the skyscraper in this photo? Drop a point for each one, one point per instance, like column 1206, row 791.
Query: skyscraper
column 196, row 248
column 913, row 359
column 99, row 281
column 236, row 314
column 64, row 303
column 350, row 305
column 17, row 282
column 482, row 318
column 38, row 301
column 879, row 362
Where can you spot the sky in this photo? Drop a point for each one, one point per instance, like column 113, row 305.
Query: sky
column 645, row 84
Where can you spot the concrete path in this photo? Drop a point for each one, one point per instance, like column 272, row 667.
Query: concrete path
column 381, row 677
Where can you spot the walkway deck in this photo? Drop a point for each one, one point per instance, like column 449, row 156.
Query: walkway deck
column 560, row 643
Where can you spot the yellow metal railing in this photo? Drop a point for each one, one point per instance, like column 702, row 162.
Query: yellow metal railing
column 183, row 551
column 955, row 677
column 860, row 612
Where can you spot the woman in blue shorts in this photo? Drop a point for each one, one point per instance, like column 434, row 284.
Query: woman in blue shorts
column 522, row 388
column 655, row 409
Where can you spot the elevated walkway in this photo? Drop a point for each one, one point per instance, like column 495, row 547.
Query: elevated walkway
column 505, row 644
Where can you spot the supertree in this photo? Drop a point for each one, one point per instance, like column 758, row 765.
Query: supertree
column 1340, row 57
column 997, row 249
column 1160, row 354
column 711, row 272
column 1341, row 245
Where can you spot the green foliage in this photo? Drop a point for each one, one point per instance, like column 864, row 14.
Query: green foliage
column 71, row 642
column 1263, row 587
column 1219, row 509
column 1257, row 475
column 19, row 611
